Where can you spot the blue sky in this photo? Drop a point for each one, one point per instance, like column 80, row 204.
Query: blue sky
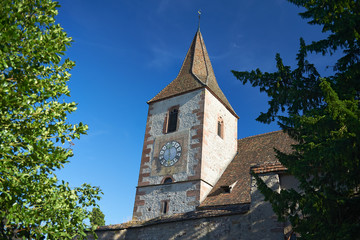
column 126, row 51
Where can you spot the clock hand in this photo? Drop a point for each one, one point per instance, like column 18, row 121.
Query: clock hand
column 169, row 154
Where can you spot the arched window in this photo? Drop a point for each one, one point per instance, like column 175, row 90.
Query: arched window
column 168, row 180
column 173, row 118
column 220, row 128
column 171, row 121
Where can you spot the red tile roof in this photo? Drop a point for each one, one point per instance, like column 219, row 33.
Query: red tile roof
column 266, row 168
column 257, row 152
column 195, row 73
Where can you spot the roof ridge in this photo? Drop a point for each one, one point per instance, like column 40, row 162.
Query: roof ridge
column 198, row 35
column 183, row 64
column 260, row 135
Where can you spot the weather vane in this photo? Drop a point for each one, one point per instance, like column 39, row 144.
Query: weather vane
column 199, row 12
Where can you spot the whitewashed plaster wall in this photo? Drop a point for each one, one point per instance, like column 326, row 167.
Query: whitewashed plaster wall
column 217, row 152
column 263, row 221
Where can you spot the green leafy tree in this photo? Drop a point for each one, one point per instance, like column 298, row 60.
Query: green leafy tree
column 97, row 217
column 34, row 128
column 322, row 114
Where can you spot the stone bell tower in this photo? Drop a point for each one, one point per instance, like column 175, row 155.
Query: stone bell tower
column 190, row 138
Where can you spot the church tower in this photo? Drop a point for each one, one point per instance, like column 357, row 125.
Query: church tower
column 190, row 138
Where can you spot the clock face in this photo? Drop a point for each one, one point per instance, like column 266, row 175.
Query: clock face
column 170, row 153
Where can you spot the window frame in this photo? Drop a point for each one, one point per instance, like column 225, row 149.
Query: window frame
column 164, row 209
column 168, row 180
column 171, row 123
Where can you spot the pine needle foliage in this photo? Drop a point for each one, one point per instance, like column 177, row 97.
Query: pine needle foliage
column 322, row 114
column 97, row 217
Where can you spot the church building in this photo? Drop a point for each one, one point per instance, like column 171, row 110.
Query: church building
column 194, row 180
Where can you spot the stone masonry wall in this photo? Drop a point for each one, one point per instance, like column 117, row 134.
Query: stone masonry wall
column 258, row 223
column 185, row 172
column 175, row 194
column 263, row 221
column 187, row 119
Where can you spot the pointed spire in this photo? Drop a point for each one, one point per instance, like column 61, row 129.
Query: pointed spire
column 196, row 72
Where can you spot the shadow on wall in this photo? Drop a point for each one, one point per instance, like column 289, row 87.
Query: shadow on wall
column 258, row 223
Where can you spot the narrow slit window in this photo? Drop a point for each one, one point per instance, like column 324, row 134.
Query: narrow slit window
column 172, row 123
column 220, row 128
column 165, row 207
